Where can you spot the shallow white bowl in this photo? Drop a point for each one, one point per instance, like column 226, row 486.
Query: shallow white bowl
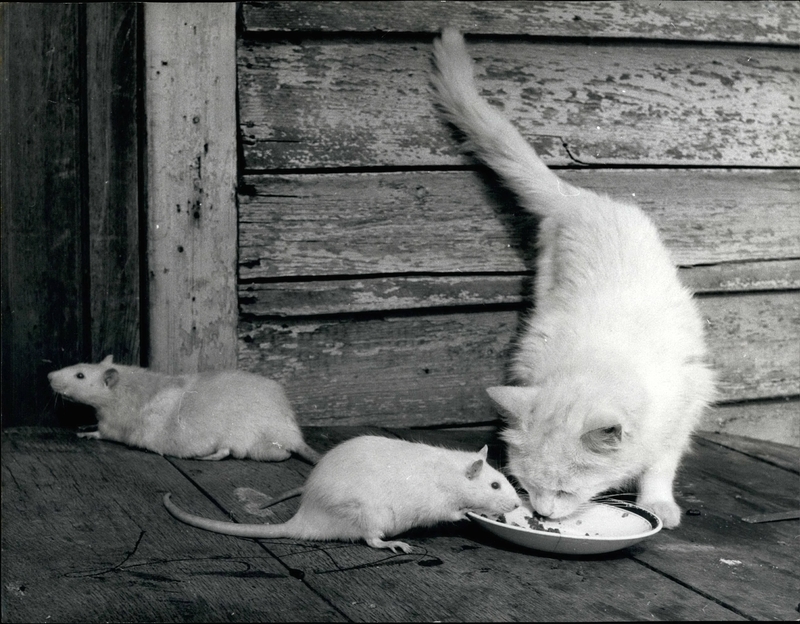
column 597, row 528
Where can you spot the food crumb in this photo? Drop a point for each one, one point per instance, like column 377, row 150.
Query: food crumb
column 536, row 525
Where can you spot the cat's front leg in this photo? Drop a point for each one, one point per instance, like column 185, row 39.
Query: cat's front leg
column 655, row 490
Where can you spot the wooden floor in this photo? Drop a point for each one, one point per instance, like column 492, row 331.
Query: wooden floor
column 85, row 538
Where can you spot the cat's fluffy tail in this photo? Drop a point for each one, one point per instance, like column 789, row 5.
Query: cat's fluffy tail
column 490, row 136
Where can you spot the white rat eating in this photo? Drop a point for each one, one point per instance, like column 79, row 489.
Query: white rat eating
column 371, row 487
column 210, row 415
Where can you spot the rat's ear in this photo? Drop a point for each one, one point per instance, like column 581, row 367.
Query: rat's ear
column 474, row 469
column 111, row 377
column 109, row 359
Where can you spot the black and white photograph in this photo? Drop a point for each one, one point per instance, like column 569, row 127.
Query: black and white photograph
column 400, row 311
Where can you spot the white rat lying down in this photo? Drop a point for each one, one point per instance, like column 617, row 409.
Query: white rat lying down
column 204, row 416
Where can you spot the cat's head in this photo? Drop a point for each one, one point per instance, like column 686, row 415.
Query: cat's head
column 568, row 442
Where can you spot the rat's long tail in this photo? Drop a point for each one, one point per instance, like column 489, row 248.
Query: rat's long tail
column 307, row 453
column 230, row 528
column 490, row 136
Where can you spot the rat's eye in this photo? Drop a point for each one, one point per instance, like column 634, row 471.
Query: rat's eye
column 80, row 375
column 495, row 485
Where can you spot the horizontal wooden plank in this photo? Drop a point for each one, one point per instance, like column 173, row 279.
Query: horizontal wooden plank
column 784, row 455
column 755, row 22
column 377, row 294
column 386, row 294
column 351, row 103
column 461, row 222
column 433, row 369
column 769, row 421
column 743, row 276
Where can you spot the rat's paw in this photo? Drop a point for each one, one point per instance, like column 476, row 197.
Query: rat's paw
column 400, row 546
column 376, row 542
column 93, row 435
column 667, row 510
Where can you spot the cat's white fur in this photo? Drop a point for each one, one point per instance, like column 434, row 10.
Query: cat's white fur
column 610, row 372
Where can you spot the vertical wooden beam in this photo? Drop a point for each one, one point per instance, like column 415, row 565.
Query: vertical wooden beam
column 190, row 97
column 43, row 314
column 112, row 184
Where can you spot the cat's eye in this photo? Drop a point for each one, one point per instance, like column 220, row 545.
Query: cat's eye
column 80, row 375
column 495, row 485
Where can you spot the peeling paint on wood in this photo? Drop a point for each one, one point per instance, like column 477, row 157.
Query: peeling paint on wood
column 384, row 294
column 433, row 369
column 752, row 22
column 191, row 129
column 773, row 421
column 343, row 103
column 460, row 222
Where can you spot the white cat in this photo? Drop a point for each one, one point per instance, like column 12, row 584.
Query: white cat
column 610, row 366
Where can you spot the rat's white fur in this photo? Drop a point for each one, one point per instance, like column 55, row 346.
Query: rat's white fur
column 371, row 487
column 611, row 364
column 208, row 415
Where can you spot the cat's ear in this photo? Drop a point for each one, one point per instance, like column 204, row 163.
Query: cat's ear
column 484, row 452
column 109, row 359
column 513, row 401
column 603, row 439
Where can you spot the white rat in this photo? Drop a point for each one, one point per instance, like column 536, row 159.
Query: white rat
column 371, row 487
column 207, row 415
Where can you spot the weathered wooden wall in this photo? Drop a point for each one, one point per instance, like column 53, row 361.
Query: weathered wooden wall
column 190, row 98
column 70, row 212
column 382, row 275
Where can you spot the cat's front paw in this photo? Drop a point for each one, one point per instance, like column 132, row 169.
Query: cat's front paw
column 667, row 510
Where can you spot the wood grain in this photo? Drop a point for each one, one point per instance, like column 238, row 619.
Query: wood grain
column 43, row 275
column 427, row 369
column 771, row 421
column 191, row 176
column 65, row 560
column 453, row 569
column 312, row 103
column 386, row 294
column 783, row 455
column 85, row 537
column 113, row 150
column 751, row 22
column 462, row 222
column 716, row 551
